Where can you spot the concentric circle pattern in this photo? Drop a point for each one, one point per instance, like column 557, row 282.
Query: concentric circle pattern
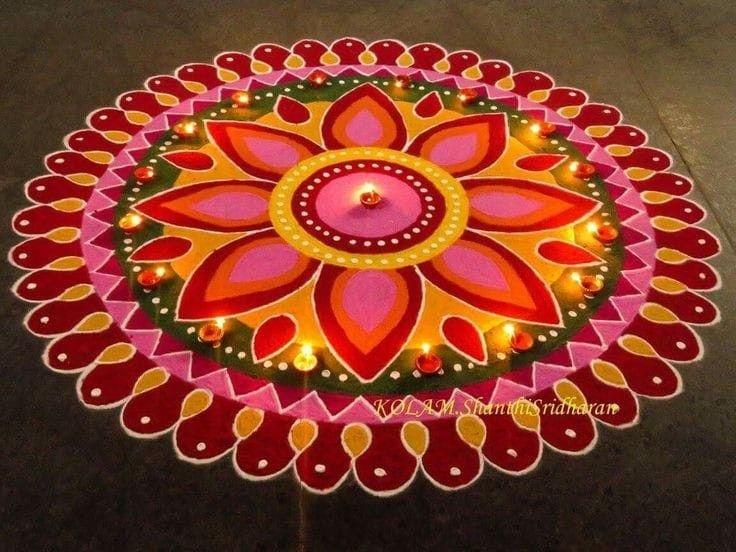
column 374, row 260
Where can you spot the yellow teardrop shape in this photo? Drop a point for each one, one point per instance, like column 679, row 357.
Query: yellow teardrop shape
column 637, row 173
column 617, row 150
column 472, row 73
column 150, row 379
column 668, row 224
column 68, row 205
column 76, row 292
column 194, row 86
column 117, row 136
column 569, row 393
column 539, row 95
column 657, row 313
column 671, row 256
column 405, row 60
column 415, row 437
column 67, row 263
column 635, row 344
column 63, row 235
column 598, row 131
column 227, row 75
column 247, row 421
column 655, row 197
column 138, row 117
column 525, row 414
column 608, row 373
column 471, row 430
column 294, row 61
column 367, row 57
column 668, row 285
column 355, row 439
column 197, row 401
column 166, row 99
column 117, row 352
column 302, row 434
column 506, row 83
column 83, row 179
column 95, row 322
column 329, row 58
column 102, row 157
column 569, row 111
column 442, row 66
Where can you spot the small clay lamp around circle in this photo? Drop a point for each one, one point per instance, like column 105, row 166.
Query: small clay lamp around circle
column 520, row 341
column 317, row 78
column 212, row 332
column 185, row 129
column 241, row 98
column 305, row 361
column 582, row 171
column 427, row 362
column 151, row 277
column 144, row 175
column 402, row 81
column 132, row 222
column 591, row 285
column 543, row 129
column 605, row 233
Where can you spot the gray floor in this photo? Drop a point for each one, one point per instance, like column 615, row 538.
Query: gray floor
column 72, row 480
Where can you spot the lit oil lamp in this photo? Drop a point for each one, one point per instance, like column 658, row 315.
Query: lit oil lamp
column 467, row 96
column 591, row 285
column 582, row 170
column 144, row 175
column 606, row 234
column 317, row 78
column 370, row 198
column 212, row 332
column 151, row 277
column 185, row 129
column 543, row 129
column 305, row 361
column 241, row 98
column 402, row 81
column 427, row 362
column 131, row 222
column 520, row 341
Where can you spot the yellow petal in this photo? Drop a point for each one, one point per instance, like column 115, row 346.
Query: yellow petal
column 355, row 439
column 150, row 379
column 197, row 401
column 302, row 434
column 247, row 421
column 415, row 436
column 471, row 430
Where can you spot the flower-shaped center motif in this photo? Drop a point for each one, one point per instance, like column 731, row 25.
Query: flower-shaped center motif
column 420, row 209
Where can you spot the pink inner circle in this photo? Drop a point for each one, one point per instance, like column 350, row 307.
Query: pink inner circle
column 338, row 205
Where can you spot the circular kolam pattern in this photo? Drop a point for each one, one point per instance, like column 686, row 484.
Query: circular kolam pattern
column 336, row 259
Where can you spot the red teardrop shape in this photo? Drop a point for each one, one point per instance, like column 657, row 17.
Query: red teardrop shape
column 540, row 161
column 190, row 160
column 273, row 336
column 429, row 105
column 464, row 336
column 567, row 254
column 166, row 248
column 291, row 110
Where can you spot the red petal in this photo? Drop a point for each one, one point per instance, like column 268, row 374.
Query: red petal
column 540, row 161
column 220, row 206
column 243, row 275
column 189, row 160
column 386, row 466
column 367, row 316
column 156, row 410
column 273, row 336
column 259, row 150
column 165, row 248
column 463, row 146
column 429, row 106
column 208, row 434
column 448, row 460
column 567, row 254
column 509, row 447
column 365, row 116
column 291, row 110
column 324, row 464
column 484, row 274
column 465, row 337
column 265, row 452
column 513, row 205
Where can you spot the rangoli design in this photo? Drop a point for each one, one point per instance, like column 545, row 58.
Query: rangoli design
column 365, row 258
